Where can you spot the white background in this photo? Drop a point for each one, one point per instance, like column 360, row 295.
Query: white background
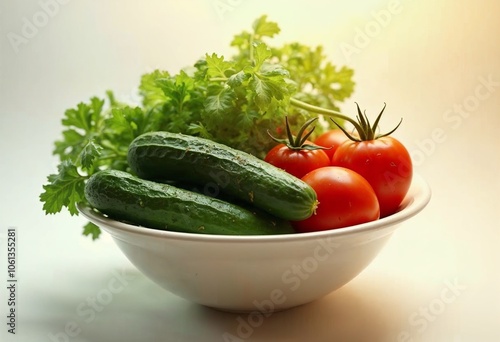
column 427, row 59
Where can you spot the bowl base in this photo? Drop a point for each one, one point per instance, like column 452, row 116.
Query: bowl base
column 253, row 311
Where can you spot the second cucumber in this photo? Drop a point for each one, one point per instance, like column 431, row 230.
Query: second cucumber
column 162, row 206
column 163, row 156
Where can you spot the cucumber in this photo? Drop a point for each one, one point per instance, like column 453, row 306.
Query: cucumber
column 163, row 156
column 127, row 198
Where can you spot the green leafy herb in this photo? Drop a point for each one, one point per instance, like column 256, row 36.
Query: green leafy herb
column 94, row 139
column 65, row 189
column 232, row 100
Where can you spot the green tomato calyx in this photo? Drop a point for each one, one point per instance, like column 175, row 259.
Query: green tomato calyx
column 364, row 129
column 299, row 142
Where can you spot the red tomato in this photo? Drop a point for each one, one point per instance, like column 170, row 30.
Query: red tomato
column 331, row 139
column 297, row 155
column 345, row 199
column 297, row 162
column 385, row 163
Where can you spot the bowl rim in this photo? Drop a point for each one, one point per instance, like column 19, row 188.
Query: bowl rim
column 418, row 196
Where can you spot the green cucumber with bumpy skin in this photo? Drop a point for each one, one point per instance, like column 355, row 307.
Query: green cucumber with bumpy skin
column 216, row 167
column 127, row 198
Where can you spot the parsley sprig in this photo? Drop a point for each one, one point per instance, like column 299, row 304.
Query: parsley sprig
column 234, row 101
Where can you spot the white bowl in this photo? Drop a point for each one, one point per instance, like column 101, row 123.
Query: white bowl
column 257, row 273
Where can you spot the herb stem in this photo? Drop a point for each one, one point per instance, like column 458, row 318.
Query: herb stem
column 324, row 111
column 251, row 53
column 218, row 79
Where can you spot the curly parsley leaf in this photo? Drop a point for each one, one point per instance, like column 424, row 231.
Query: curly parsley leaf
column 91, row 230
column 82, row 123
column 89, row 153
column 219, row 101
column 264, row 28
column 65, row 189
column 217, row 66
column 238, row 79
column 261, row 53
column 151, row 94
